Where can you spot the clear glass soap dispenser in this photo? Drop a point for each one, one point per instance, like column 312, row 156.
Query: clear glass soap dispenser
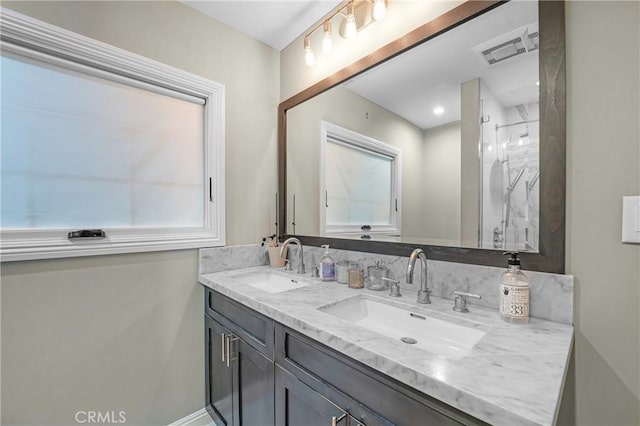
column 514, row 292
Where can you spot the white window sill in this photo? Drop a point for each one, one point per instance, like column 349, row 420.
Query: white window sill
column 95, row 248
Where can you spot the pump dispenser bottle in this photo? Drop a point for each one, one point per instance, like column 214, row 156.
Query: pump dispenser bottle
column 327, row 266
column 514, row 292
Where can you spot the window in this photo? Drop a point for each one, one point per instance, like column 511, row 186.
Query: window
column 94, row 137
column 360, row 183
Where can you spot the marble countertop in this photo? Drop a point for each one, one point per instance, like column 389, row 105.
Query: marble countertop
column 513, row 375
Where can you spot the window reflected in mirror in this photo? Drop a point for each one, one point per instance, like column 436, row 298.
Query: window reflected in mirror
column 361, row 181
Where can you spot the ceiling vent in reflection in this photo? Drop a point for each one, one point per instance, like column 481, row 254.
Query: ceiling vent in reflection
column 506, row 46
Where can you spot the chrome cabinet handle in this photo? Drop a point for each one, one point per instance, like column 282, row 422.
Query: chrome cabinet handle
column 229, row 339
column 335, row 420
column 223, row 345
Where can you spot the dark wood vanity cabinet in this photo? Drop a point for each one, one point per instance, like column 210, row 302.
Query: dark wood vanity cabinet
column 261, row 373
column 239, row 375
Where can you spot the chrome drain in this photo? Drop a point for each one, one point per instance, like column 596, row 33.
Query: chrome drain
column 408, row 340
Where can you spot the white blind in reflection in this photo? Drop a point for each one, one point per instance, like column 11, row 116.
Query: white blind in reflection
column 358, row 185
column 79, row 151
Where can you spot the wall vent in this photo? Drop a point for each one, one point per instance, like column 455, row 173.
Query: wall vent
column 506, row 46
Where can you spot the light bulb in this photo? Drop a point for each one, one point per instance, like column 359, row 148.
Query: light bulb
column 309, row 58
column 350, row 29
column 438, row 110
column 379, row 10
column 327, row 40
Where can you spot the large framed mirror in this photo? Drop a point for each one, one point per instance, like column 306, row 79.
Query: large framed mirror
column 451, row 138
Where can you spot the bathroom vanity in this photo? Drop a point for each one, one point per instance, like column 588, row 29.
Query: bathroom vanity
column 304, row 356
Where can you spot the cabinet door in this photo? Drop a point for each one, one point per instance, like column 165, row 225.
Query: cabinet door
column 297, row 404
column 219, row 378
column 253, row 386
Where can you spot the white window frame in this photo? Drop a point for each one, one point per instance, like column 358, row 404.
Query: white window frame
column 350, row 138
column 36, row 39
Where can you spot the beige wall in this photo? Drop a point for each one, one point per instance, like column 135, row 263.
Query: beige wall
column 441, row 164
column 470, row 164
column 603, row 165
column 125, row 332
column 603, row 150
column 120, row 333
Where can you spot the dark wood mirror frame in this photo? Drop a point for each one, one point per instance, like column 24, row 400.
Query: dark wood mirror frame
column 551, row 255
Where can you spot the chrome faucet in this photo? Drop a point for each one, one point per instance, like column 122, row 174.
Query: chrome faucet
column 295, row 241
column 423, row 293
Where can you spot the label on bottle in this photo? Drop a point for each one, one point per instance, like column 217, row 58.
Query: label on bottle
column 327, row 271
column 514, row 301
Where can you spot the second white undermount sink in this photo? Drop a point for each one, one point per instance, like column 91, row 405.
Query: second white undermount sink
column 271, row 281
column 422, row 331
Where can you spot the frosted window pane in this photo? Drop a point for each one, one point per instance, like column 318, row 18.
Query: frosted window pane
column 80, row 203
column 358, row 186
column 162, row 205
column 80, row 152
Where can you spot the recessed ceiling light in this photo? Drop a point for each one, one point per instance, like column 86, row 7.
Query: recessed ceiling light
column 438, row 110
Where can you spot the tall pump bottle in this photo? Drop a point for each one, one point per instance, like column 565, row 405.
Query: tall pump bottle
column 514, row 292
column 327, row 266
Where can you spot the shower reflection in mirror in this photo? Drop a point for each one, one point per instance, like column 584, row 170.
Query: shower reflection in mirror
column 510, row 172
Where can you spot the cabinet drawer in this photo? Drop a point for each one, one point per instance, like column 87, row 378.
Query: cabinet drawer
column 390, row 399
column 251, row 326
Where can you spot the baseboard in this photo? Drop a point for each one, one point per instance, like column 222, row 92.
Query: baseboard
column 199, row 418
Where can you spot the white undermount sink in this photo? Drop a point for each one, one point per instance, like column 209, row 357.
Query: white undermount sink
column 272, row 281
column 422, row 331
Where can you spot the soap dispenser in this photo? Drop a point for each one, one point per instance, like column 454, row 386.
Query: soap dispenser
column 514, row 292
column 327, row 266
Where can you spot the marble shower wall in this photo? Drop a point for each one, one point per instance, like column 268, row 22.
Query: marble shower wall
column 551, row 294
column 505, row 153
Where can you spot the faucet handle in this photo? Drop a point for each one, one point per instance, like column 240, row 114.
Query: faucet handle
column 460, row 301
column 287, row 265
column 394, row 287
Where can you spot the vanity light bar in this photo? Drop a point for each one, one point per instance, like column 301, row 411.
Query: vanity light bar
column 352, row 21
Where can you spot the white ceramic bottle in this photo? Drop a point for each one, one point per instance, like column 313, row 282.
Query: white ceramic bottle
column 514, row 292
